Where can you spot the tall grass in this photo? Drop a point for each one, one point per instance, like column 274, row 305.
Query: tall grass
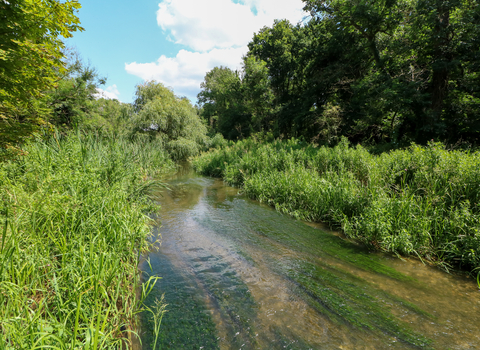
column 421, row 201
column 73, row 223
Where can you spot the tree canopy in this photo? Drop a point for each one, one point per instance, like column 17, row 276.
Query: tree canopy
column 31, row 60
column 387, row 71
column 162, row 115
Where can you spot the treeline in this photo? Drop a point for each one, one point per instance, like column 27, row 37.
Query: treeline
column 382, row 72
column 75, row 102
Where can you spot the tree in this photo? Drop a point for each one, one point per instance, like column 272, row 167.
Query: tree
column 283, row 48
column 363, row 55
column 423, row 80
column 386, row 71
column 30, row 61
column 258, row 94
column 111, row 117
column 449, row 50
column 71, row 101
column 368, row 19
column 172, row 119
column 222, row 102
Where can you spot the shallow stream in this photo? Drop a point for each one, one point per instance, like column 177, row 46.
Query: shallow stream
column 238, row 275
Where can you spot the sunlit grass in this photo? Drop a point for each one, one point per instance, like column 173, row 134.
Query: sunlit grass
column 73, row 217
column 421, row 201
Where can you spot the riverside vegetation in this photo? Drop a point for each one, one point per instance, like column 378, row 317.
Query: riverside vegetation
column 75, row 198
column 74, row 204
column 73, row 214
column 421, row 201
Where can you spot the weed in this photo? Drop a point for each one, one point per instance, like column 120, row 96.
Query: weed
column 421, row 201
column 73, row 217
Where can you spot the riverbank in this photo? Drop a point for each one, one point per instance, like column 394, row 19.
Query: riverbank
column 73, row 224
column 237, row 274
column 421, row 201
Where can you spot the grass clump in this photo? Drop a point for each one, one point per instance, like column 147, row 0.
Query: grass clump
column 73, row 217
column 421, row 201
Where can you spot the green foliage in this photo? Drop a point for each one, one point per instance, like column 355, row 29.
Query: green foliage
column 30, row 61
column 422, row 201
column 222, row 103
column 166, row 117
column 111, row 117
column 258, row 94
column 73, row 218
column 71, row 101
column 383, row 72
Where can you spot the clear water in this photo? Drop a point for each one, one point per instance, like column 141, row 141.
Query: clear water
column 238, row 275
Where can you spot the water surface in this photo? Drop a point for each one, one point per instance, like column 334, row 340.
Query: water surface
column 238, row 275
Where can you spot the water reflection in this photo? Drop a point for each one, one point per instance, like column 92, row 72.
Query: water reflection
column 238, row 275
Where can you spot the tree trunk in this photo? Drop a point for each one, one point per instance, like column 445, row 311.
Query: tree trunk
column 442, row 58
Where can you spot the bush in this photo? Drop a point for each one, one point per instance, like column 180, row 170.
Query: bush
column 73, row 217
column 421, row 201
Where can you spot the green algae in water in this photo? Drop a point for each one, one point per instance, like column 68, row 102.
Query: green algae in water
column 221, row 239
column 188, row 323
column 235, row 304
column 333, row 293
column 336, row 293
column 253, row 224
column 311, row 241
column 288, row 341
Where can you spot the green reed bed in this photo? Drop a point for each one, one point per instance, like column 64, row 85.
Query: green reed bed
column 421, row 201
column 73, row 223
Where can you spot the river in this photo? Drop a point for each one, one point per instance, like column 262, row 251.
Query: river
column 238, row 275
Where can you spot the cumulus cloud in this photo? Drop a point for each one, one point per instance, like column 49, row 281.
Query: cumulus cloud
column 110, row 93
column 216, row 33
column 186, row 70
column 204, row 25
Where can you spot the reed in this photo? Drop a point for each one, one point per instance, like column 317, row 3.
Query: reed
column 74, row 221
column 421, row 201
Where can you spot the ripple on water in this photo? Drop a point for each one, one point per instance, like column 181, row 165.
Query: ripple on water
column 238, row 275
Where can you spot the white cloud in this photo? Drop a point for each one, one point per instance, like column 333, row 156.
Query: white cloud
column 186, row 71
column 216, row 31
column 110, row 92
column 204, row 25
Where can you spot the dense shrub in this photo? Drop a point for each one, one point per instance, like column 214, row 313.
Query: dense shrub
column 73, row 223
column 421, row 201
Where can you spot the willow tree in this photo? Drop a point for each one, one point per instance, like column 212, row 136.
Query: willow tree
column 172, row 119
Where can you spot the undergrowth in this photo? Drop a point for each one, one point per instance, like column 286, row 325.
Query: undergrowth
column 73, row 215
column 421, row 201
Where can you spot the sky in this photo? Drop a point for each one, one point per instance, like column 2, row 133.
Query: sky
column 175, row 42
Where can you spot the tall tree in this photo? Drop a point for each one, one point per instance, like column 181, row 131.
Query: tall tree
column 164, row 116
column 367, row 18
column 222, row 103
column 258, row 94
column 281, row 48
column 31, row 46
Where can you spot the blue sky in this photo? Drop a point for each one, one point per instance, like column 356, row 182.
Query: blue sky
column 172, row 41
